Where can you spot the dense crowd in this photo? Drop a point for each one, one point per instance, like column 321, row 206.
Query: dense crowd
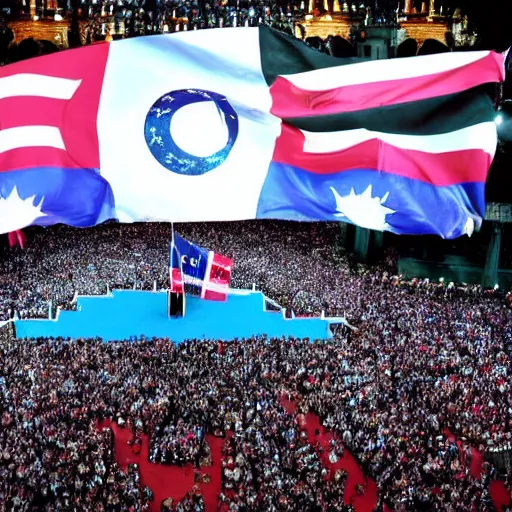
column 427, row 362
column 280, row 258
column 54, row 394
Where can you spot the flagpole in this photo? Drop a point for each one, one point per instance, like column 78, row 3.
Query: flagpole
column 180, row 261
column 171, row 266
column 172, row 244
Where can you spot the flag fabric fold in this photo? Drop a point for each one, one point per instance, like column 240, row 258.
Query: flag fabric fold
column 194, row 263
column 219, row 277
column 176, row 271
column 246, row 123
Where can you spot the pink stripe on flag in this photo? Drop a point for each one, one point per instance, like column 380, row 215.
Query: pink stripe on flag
column 176, row 280
column 74, row 118
column 441, row 169
column 220, row 276
column 37, row 157
column 289, row 100
column 31, row 111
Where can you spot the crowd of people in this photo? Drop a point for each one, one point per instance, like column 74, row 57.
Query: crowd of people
column 127, row 256
column 424, row 381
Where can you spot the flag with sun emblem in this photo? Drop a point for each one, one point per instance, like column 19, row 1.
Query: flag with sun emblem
column 246, row 123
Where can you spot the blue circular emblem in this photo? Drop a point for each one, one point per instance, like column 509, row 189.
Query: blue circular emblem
column 157, row 131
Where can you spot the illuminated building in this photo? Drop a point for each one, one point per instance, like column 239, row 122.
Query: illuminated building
column 351, row 21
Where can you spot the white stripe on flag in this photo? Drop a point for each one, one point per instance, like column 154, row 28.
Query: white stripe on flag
column 383, row 70
column 28, row 84
column 224, row 61
column 213, row 287
column 207, row 274
column 30, row 136
column 479, row 136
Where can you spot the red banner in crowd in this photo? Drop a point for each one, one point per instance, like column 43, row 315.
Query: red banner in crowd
column 17, row 238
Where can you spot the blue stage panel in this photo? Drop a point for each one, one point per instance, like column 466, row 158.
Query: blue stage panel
column 134, row 313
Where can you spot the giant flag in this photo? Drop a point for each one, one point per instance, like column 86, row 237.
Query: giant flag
column 246, row 123
column 208, row 274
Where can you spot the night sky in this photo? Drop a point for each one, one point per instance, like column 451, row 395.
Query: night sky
column 492, row 19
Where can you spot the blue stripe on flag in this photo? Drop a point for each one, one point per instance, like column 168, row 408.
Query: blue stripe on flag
column 78, row 197
column 371, row 199
column 194, row 260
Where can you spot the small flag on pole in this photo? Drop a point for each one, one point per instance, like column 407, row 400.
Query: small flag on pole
column 205, row 273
